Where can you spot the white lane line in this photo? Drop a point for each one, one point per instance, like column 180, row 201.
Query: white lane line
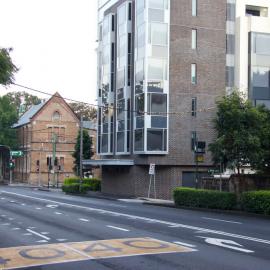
column 38, row 234
column 27, row 234
column 3, row 215
column 38, row 208
column 2, row 198
column 164, row 222
column 15, row 229
column 83, row 219
column 31, row 227
column 118, row 228
column 42, row 241
column 184, row 244
column 222, row 220
column 11, row 218
column 61, row 240
column 45, row 233
column 58, row 213
column 5, row 224
column 51, row 205
column 22, row 204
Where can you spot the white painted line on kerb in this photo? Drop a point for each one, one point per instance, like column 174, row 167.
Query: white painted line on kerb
column 118, row 228
column 222, row 220
column 184, row 244
column 179, row 225
column 83, row 219
column 38, row 234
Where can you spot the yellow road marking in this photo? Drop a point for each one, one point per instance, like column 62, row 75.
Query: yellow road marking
column 26, row 256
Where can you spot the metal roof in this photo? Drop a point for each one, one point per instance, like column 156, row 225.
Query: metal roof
column 108, row 162
column 25, row 118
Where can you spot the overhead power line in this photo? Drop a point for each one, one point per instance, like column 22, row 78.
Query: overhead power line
column 109, row 107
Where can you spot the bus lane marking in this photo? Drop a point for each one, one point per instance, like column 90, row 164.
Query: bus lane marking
column 28, row 256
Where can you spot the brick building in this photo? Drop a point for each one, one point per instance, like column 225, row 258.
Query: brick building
column 162, row 66
column 46, row 131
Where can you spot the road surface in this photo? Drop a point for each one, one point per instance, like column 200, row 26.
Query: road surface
column 51, row 230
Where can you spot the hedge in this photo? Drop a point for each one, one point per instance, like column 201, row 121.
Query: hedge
column 72, row 185
column 72, row 188
column 190, row 197
column 256, row 202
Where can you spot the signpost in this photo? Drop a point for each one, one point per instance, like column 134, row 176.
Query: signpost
column 16, row 153
column 13, row 154
column 152, row 173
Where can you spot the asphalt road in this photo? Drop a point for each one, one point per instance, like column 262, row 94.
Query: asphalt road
column 50, row 230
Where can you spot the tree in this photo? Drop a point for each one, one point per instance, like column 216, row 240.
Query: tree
column 261, row 163
column 7, row 68
column 8, row 117
column 239, row 128
column 28, row 100
column 87, row 150
column 80, row 109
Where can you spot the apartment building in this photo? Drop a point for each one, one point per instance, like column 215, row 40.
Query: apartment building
column 162, row 64
column 252, row 50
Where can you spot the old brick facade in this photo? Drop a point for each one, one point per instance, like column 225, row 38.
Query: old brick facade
column 36, row 130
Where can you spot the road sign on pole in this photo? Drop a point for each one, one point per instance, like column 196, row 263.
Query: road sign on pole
column 16, row 153
column 152, row 173
column 152, row 169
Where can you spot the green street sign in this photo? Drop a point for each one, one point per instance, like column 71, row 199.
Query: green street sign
column 16, row 153
column 213, row 171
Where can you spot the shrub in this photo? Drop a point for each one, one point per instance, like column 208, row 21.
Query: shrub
column 72, row 185
column 190, row 197
column 256, row 202
column 71, row 180
column 71, row 188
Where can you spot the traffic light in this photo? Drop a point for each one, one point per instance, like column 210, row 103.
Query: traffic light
column 12, row 164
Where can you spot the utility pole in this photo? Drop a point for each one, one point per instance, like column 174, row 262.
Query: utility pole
column 39, row 172
column 54, row 157
column 81, row 149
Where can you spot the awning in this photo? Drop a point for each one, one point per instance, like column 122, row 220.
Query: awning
column 108, row 162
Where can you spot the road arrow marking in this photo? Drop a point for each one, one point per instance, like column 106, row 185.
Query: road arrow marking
column 226, row 244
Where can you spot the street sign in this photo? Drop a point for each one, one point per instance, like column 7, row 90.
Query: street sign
column 16, row 153
column 213, row 171
column 152, row 169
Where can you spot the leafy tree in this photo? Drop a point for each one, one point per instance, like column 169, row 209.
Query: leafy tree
column 87, row 150
column 239, row 127
column 88, row 112
column 261, row 162
column 7, row 68
column 8, row 117
column 28, row 100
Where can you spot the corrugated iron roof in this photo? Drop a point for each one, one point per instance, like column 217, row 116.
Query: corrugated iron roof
column 25, row 118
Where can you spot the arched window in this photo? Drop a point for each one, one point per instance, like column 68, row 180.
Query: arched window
column 56, row 116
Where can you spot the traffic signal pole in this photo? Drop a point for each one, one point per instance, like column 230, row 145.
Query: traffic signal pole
column 81, row 150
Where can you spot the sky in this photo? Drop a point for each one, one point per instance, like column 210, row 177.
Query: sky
column 54, row 44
